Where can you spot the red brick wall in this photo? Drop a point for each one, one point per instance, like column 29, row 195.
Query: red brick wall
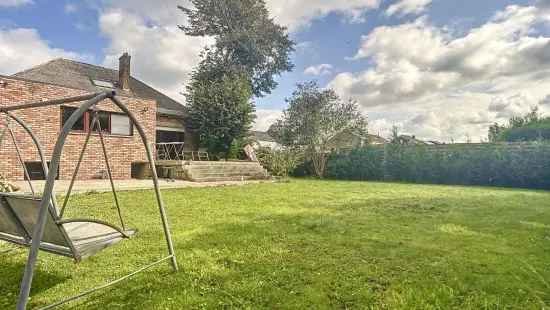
column 46, row 124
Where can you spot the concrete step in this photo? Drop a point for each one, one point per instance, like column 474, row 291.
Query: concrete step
column 225, row 179
column 219, row 171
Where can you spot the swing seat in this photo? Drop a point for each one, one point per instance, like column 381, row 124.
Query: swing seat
column 78, row 239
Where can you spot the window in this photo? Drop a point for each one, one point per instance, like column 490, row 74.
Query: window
column 111, row 123
column 121, row 125
column 170, row 136
column 104, row 84
column 66, row 113
column 36, row 171
column 103, row 118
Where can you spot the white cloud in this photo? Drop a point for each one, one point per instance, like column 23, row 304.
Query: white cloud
column 420, row 69
column 265, row 118
column 322, row 69
column 70, row 8
column 162, row 55
column 14, row 3
column 24, row 48
column 406, row 7
column 298, row 14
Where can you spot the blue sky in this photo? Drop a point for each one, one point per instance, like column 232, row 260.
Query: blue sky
column 439, row 69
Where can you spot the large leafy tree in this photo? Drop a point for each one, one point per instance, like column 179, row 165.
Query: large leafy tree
column 247, row 40
column 313, row 118
column 219, row 106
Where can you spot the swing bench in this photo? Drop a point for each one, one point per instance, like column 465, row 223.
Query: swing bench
column 37, row 223
column 76, row 238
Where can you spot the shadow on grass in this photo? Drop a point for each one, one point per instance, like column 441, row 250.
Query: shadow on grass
column 11, row 274
column 292, row 261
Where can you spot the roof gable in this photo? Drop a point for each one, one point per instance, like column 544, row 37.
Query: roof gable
column 78, row 75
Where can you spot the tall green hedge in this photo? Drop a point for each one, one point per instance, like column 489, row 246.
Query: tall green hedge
column 507, row 165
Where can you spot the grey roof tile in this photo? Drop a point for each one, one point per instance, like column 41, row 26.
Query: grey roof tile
column 74, row 74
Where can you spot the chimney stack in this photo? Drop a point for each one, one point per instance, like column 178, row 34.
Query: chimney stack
column 124, row 71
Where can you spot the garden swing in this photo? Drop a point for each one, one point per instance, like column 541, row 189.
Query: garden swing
column 36, row 222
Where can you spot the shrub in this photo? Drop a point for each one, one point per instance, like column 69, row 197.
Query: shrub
column 359, row 164
column 509, row 165
column 280, row 162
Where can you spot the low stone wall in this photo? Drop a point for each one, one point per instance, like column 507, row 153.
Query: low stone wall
column 211, row 171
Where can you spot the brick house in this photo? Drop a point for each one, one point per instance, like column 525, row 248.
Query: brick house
column 162, row 118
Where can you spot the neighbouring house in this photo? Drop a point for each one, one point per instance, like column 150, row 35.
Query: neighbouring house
column 410, row 140
column 263, row 139
column 163, row 118
column 349, row 139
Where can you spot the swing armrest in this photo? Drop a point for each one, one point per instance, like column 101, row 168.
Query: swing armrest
column 122, row 232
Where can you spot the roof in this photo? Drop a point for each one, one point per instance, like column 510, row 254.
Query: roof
column 78, row 75
column 376, row 139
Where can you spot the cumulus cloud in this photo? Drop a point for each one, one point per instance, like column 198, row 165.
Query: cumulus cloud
column 164, row 56
column 14, row 3
column 418, row 67
column 70, row 8
column 322, row 69
column 506, row 107
column 23, row 48
column 545, row 101
column 265, row 118
column 299, row 14
column 406, row 7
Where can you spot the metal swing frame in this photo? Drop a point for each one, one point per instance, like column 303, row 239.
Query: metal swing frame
column 48, row 202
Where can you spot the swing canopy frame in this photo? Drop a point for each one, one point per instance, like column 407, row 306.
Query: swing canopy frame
column 37, row 222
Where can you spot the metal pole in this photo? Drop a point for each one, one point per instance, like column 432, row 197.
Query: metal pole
column 48, row 103
column 46, row 199
column 151, row 159
column 21, row 161
column 88, row 292
column 75, row 173
column 38, row 145
column 109, row 172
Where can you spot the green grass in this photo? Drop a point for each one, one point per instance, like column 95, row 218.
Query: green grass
column 314, row 245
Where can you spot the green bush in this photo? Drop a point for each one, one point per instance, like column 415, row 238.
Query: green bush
column 533, row 132
column 280, row 162
column 359, row 164
column 507, row 165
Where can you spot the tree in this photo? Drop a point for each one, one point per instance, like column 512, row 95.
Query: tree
column 219, row 106
column 247, row 39
column 314, row 117
column 494, row 132
column 530, row 127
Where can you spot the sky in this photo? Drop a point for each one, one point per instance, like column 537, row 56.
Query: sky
column 437, row 69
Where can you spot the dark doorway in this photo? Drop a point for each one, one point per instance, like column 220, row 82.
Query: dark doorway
column 170, row 136
column 36, row 172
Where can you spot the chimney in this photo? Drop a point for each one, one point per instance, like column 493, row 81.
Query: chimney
column 124, row 71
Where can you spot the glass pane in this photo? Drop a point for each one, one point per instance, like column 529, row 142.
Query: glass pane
column 121, row 125
column 103, row 121
column 66, row 113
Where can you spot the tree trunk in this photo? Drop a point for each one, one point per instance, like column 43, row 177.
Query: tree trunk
column 319, row 160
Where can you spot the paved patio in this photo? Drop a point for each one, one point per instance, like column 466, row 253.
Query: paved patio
column 62, row 186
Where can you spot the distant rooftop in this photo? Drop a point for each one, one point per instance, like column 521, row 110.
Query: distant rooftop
column 78, row 75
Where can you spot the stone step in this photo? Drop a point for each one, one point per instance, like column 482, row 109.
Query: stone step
column 219, row 171
column 224, row 179
column 219, row 163
column 221, row 175
column 239, row 170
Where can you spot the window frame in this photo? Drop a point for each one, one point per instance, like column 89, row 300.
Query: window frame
column 87, row 118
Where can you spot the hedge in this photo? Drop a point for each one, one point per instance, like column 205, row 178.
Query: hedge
column 522, row 165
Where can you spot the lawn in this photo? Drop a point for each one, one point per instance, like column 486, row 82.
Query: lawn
column 314, row 245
